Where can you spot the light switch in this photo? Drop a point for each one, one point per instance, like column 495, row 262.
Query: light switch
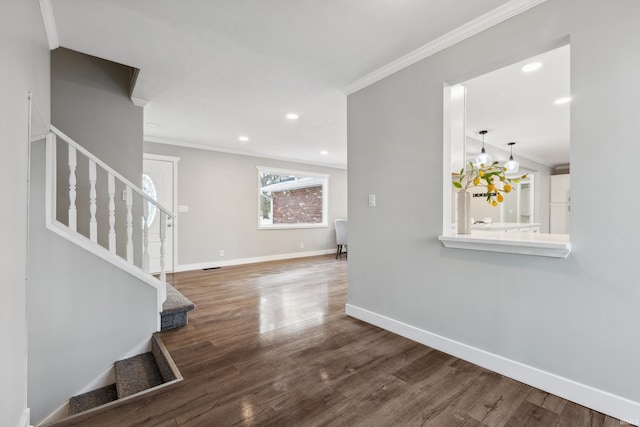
column 183, row 208
column 372, row 200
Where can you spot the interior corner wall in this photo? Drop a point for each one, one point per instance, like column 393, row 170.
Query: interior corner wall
column 90, row 103
column 221, row 191
column 575, row 318
column 24, row 69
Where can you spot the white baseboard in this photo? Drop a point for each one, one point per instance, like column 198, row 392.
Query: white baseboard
column 25, row 421
column 102, row 380
column 602, row 401
column 56, row 415
column 241, row 261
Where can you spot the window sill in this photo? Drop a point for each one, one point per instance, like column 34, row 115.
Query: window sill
column 537, row 244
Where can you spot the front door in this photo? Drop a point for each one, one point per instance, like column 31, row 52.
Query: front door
column 158, row 181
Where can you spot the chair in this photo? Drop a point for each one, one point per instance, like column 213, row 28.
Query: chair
column 341, row 237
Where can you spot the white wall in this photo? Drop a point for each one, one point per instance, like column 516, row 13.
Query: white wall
column 576, row 317
column 25, row 67
column 221, row 192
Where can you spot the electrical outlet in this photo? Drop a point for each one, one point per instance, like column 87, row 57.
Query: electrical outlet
column 372, row 200
column 221, row 252
column 301, row 245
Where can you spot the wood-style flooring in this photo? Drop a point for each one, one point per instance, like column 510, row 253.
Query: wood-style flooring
column 269, row 344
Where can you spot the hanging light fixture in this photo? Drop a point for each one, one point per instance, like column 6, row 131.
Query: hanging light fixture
column 512, row 166
column 483, row 158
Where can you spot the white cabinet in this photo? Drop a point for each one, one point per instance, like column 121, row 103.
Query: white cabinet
column 559, row 204
column 559, row 191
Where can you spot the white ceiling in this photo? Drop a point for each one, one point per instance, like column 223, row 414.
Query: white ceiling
column 213, row 70
column 517, row 106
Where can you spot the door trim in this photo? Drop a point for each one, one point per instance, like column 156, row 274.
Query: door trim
column 176, row 221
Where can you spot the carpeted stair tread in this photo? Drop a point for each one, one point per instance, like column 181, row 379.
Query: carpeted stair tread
column 176, row 302
column 91, row 399
column 175, row 310
column 136, row 374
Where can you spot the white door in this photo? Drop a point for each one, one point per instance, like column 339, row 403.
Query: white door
column 159, row 181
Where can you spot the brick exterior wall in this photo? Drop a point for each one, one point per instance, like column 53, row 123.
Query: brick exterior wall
column 303, row 205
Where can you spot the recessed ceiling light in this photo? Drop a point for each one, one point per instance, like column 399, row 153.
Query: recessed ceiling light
column 562, row 100
column 292, row 116
column 152, row 125
column 243, row 138
column 324, row 152
column 532, row 67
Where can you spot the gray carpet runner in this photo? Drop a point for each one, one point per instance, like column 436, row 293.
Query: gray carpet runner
column 136, row 374
column 175, row 310
column 92, row 399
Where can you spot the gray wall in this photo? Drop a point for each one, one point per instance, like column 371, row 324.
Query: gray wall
column 84, row 313
column 90, row 103
column 221, row 192
column 574, row 317
column 25, row 67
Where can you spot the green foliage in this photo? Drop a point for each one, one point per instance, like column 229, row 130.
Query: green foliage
column 493, row 178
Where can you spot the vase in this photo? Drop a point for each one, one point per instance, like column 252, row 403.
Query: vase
column 463, row 212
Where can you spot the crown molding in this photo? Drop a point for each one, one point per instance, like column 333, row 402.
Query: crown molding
column 139, row 102
column 471, row 28
column 49, row 24
column 240, row 152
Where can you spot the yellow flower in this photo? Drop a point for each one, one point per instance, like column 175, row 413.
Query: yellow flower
column 504, row 169
column 524, row 176
column 500, row 198
column 494, row 203
column 476, row 181
column 481, row 173
column 491, row 187
column 507, row 188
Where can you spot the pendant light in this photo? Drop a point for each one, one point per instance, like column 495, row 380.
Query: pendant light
column 512, row 166
column 483, row 158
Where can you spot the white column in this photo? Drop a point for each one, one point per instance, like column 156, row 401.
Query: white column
column 73, row 214
column 129, row 225
column 111, row 188
column 93, row 224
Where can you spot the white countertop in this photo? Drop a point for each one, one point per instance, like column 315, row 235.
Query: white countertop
column 525, row 243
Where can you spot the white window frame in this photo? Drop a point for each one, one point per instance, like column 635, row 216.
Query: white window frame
column 280, row 171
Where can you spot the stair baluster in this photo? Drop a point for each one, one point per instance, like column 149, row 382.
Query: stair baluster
column 112, row 213
column 129, row 197
column 93, row 224
column 163, row 236
column 73, row 214
column 145, row 238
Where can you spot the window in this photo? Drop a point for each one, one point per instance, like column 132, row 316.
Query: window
column 291, row 199
column 149, row 188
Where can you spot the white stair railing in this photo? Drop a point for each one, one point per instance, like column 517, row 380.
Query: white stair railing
column 131, row 194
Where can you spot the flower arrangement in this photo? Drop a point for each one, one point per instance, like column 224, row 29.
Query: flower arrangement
column 492, row 177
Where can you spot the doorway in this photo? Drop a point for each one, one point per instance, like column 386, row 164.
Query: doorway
column 160, row 182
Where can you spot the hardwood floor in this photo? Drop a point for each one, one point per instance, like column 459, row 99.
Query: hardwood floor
column 269, row 344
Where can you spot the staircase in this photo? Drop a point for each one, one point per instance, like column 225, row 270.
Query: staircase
column 133, row 376
column 78, row 184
